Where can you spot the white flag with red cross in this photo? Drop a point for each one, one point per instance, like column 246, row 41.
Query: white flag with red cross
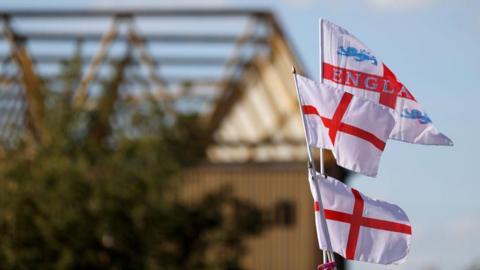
column 350, row 65
column 361, row 228
column 354, row 128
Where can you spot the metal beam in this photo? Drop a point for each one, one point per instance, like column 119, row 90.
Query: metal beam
column 231, row 92
column 180, row 60
column 81, row 93
column 147, row 61
column 151, row 37
column 165, row 61
column 262, row 66
column 100, row 126
column 130, row 13
column 35, row 109
column 200, row 81
column 279, row 38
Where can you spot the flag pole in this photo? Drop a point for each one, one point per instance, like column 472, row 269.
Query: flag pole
column 320, row 41
column 320, row 66
column 311, row 167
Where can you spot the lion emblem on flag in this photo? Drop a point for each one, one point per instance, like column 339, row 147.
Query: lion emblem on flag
column 358, row 55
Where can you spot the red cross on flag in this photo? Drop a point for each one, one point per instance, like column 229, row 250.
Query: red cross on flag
column 361, row 228
column 351, row 66
column 354, row 128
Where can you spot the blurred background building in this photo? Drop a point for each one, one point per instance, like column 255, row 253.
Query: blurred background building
column 232, row 67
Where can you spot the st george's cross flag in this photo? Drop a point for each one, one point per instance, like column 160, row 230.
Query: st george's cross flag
column 350, row 65
column 361, row 228
column 354, row 128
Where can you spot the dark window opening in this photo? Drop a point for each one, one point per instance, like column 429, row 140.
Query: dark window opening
column 284, row 213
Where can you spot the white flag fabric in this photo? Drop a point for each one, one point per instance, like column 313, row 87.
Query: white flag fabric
column 354, row 128
column 350, row 65
column 361, row 228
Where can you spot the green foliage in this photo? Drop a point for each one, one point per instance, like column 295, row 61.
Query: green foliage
column 74, row 203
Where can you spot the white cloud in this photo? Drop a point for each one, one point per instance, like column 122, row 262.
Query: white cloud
column 399, row 5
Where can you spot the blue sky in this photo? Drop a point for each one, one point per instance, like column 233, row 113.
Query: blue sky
column 433, row 46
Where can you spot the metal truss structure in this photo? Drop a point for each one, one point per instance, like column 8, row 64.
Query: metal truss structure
column 231, row 66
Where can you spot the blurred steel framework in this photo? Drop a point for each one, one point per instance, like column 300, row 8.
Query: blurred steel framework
column 233, row 67
column 249, row 105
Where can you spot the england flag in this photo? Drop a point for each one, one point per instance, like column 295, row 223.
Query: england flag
column 360, row 228
column 350, row 65
column 354, row 128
